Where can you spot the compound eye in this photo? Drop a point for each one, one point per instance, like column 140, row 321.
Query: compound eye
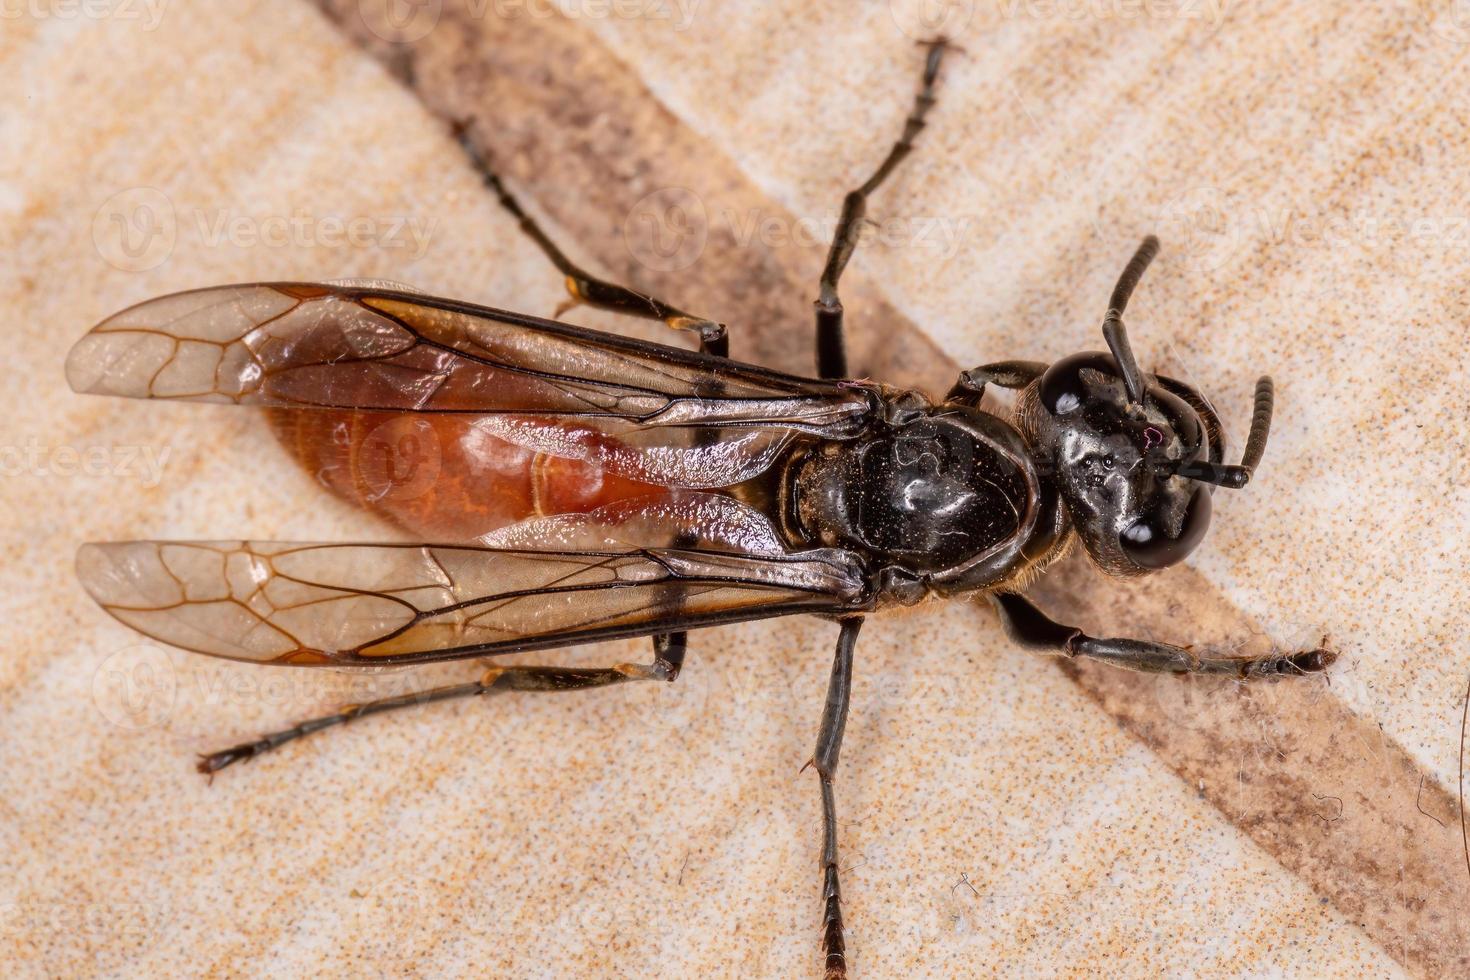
column 1148, row 546
column 1062, row 389
column 1183, row 419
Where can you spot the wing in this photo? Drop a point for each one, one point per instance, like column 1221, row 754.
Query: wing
column 358, row 605
column 357, row 346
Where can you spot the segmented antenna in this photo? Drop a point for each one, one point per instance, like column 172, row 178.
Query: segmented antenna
column 1113, row 330
column 1255, row 444
column 1220, row 474
column 1235, row 477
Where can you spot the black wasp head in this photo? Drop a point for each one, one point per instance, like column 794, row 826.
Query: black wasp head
column 1134, row 456
column 1116, row 462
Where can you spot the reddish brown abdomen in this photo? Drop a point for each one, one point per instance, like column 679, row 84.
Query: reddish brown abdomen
column 438, row 476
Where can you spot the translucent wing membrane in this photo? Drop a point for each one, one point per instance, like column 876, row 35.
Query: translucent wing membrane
column 355, row 346
column 357, row 605
column 512, row 406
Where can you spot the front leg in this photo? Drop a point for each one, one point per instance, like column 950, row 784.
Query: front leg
column 1034, row 630
column 1003, row 374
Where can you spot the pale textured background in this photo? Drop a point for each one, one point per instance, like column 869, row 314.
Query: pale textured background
column 1305, row 166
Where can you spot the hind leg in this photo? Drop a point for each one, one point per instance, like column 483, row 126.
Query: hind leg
column 665, row 667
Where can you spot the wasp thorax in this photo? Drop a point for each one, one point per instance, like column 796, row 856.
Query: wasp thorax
column 927, row 495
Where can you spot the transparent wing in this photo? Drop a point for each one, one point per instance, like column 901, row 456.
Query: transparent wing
column 358, row 605
column 359, row 346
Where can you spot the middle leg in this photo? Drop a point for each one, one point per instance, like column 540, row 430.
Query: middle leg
column 587, row 288
column 831, row 351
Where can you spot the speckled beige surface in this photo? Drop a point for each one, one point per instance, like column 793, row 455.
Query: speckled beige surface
column 1305, row 169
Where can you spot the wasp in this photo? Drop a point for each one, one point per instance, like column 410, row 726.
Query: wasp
column 586, row 486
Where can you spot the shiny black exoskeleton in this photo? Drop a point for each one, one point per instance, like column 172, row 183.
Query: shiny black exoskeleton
column 941, row 500
column 950, row 498
column 857, row 496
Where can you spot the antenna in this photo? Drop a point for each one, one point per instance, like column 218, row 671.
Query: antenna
column 1113, row 330
column 1235, row 477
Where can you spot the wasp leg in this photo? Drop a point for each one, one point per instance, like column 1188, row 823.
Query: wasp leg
column 586, row 288
column 829, row 746
column 669, row 650
column 494, row 681
column 831, row 353
column 1033, row 629
column 1002, row 374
